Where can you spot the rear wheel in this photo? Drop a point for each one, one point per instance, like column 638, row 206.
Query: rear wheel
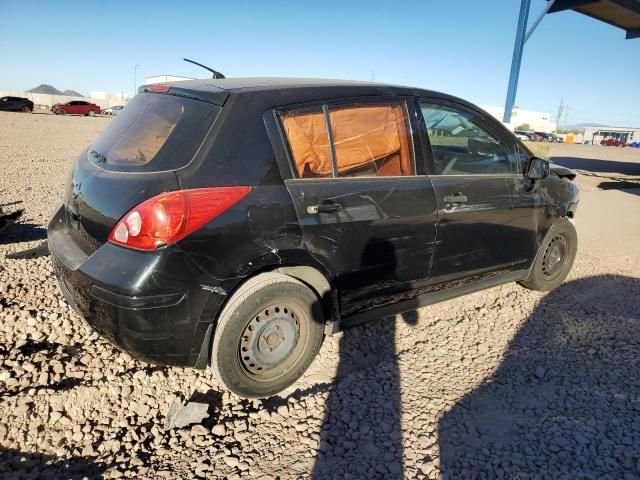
column 267, row 336
column 554, row 259
column 26, row 109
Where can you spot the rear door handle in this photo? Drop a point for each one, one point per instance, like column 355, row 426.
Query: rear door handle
column 456, row 198
column 323, row 208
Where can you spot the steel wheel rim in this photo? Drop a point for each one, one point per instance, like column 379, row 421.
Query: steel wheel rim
column 555, row 257
column 272, row 341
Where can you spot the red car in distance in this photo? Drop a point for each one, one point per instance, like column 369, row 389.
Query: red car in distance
column 76, row 107
column 612, row 142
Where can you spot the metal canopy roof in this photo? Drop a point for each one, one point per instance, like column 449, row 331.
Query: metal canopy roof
column 624, row 14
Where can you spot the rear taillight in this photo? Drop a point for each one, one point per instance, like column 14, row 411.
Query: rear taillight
column 171, row 216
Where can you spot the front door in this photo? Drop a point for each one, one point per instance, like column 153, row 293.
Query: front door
column 365, row 207
column 479, row 233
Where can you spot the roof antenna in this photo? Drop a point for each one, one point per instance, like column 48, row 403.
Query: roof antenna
column 216, row 75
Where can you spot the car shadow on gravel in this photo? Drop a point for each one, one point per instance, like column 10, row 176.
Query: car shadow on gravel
column 598, row 165
column 16, row 464
column 361, row 434
column 565, row 401
column 22, row 232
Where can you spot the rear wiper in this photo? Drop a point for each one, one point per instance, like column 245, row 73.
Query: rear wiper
column 98, row 156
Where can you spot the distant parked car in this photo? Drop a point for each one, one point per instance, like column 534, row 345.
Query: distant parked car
column 76, row 107
column 113, row 110
column 544, row 137
column 16, row 104
column 522, row 135
column 613, row 142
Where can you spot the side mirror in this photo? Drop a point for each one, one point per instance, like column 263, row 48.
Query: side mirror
column 538, row 169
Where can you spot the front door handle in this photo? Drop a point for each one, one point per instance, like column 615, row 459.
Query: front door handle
column 323, row 208
column 456, row 198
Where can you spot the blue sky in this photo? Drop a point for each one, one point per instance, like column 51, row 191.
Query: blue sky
column 462, row 47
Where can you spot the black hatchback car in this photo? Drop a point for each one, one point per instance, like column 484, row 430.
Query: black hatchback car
column 234, row 223
column 16, row 104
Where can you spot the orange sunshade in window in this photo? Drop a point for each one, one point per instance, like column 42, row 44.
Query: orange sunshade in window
column 373, row 139
column 309, row 143
column 364, row 135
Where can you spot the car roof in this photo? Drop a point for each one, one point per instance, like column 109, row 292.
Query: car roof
column 291, row 90
column 274, row 83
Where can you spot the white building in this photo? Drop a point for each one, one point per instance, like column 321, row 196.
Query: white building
column 538, row 121
column 594, row 135
column 115, row 96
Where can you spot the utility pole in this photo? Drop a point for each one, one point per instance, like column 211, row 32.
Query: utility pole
column 560, row 111
column 373, row 75
column 135, row 79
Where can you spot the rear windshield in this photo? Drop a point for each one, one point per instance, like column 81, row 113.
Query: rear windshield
column 154, row 132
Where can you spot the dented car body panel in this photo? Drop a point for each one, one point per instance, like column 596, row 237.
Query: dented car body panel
column 368, row 245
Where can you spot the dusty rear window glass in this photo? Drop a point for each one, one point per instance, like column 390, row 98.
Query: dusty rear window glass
column 154, row 132
column 369, row 140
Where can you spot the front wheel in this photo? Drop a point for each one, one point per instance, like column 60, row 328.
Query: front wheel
column 92, row 113
column 554, row 258
column 267, row 336
column 26, row 109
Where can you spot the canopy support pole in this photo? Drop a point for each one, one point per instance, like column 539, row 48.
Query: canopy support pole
column 516, row 61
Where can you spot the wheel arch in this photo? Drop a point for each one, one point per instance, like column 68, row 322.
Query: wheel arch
column 316, row 277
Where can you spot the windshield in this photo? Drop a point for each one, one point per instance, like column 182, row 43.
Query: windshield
column 154, row 133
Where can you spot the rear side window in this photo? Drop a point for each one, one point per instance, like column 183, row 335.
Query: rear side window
column 154, row 133
column 306, row 132
column 350, row 141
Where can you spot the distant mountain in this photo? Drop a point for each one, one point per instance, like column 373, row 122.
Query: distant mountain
column 51, row 90
column 48, row 89
column 72, row 93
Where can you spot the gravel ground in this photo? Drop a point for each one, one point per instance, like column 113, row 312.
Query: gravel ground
column 505, row 383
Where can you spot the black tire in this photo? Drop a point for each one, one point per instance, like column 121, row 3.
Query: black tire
column 92, row 113
column 26, row 109
column 60, row 112
column 257, row 320
column 554, row 258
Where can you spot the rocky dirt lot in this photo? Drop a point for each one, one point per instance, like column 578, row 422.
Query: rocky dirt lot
column 505, row 383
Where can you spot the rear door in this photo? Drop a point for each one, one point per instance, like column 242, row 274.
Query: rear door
column 81, row 108
column 472, row 167
column 366, row 208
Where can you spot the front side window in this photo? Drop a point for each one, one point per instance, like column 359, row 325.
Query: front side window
column 460, row 146
column 361, row 140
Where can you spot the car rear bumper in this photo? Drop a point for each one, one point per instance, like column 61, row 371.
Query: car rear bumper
column 150, row 304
